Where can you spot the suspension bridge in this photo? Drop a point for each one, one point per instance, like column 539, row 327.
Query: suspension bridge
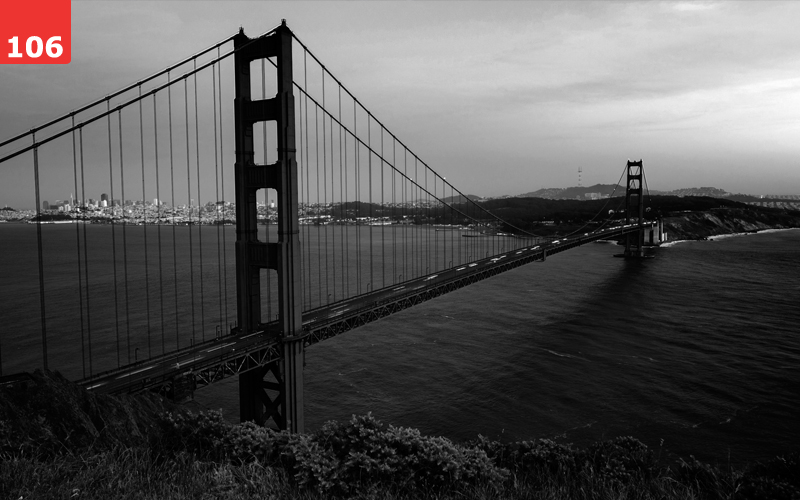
column 225, row 240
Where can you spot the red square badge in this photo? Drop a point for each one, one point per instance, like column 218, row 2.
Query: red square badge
column 35, row 32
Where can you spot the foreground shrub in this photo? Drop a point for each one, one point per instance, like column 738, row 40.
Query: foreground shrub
column 339, row 458
column 369, row 452
column 778, row 479
column 198, row 433
column 622, row 460
column 540, row 460
column 708, row 482
column 43, row 413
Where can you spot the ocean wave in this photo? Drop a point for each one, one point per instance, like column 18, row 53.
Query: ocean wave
column 673, row 243
column 725, row 236
column 765, row 231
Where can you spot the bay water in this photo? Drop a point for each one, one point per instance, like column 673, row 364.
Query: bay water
column 694, row 352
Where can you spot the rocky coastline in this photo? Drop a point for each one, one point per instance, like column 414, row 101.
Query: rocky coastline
column 701, row 225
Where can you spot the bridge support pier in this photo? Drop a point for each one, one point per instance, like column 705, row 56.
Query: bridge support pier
column 634, row 210
column 293, row 361
column 281, row 398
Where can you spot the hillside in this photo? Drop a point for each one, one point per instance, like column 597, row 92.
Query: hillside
column 688, row 217
column 572, row 193
column 603, row 190
column 59, row 441
column 700, row 225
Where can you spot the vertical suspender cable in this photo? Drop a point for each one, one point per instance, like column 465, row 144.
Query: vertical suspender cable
column 307, row 168
column 199, row 208
column 113, row 230
column 158, row 221
column 319, row 253
column 435, row 220
column 330, row 212
column 325, row 187
column 222, row 176
column 39, row 248
column 172, row 201
column 445, row 219
column 86, row 261
column 144, row 229
column 414, row 190
column 220, row 290
column 345, row 201
column 427, row 225
column 394, row 213
column 342, row 196
column 191, row 205
column 383, row 227
column 357, row 184
column 369, row 177
column 456, row 235
column 266, row 191
column 78, row 243
column 124, row 240
column 403, row 196
column 306, row 298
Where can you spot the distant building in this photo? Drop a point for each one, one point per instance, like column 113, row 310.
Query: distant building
column 104, row 197
column 45, row 205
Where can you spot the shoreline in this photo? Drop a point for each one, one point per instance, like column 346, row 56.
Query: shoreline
column 716, row 237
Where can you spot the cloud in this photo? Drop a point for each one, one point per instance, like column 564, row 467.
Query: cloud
column 694, row 6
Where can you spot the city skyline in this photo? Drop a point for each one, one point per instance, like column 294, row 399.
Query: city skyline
column 502, row 98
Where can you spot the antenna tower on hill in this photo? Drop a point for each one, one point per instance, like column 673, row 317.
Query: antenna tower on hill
column 580, row 171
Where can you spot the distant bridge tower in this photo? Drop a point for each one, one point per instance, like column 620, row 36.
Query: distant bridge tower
column 285, row 407
column 634, row 210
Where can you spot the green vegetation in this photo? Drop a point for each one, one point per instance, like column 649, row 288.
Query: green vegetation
column 59, row 441
column 50, row 217
column 700, row 225
column 562, row 217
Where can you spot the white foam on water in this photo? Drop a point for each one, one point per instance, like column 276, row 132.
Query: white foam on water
column 673, row 243
column 765, row 231
column 725, row 236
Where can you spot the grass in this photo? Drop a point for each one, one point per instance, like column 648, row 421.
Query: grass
column 138, row 474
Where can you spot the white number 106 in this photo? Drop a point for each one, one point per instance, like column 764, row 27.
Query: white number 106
column 34, row 47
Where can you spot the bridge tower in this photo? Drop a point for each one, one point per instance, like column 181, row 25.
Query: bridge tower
column 285, row 408
column 634, row 210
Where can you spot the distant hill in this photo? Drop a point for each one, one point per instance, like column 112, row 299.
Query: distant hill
column 606, row 190
column 545, row 216
column 701, row 191
column 573, row 193
column 460, row 198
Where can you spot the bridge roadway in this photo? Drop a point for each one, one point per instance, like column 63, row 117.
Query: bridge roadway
column 205, row 363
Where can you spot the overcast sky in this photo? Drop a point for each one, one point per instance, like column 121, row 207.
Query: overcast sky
column 502, row 98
